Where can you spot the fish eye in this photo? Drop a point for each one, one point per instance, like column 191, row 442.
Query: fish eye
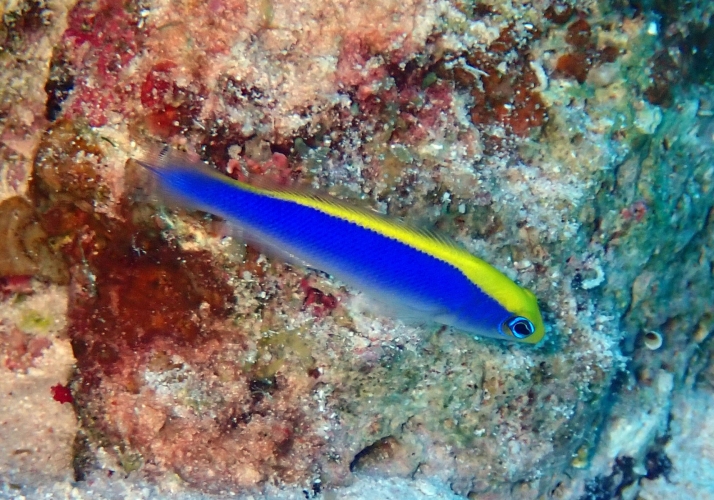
column 521, row 327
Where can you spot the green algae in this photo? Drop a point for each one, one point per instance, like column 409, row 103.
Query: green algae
column 274, row 349
column 130, row 462
column 34, row 321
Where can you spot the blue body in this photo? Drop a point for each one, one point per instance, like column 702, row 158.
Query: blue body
column 360, row 256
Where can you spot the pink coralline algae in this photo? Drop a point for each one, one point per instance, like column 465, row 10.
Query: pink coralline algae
column 101, row 36
column 635, row 212
column 21, row 351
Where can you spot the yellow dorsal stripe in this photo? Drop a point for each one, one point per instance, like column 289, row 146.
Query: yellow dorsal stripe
column 424, row 241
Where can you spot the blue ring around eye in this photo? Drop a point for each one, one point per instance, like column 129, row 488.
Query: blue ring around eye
column 522, row 322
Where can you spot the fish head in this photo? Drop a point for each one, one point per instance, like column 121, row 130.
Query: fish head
column 508, row 312
column 518, row 320
column 524, row 322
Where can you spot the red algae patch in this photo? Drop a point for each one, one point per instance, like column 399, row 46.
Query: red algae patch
column 61, row 393
column 167, row 379
column 509, row 98
column 585, row 54
column 170, row 107
column 149, row 292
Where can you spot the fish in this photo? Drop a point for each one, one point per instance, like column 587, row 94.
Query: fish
column 423, row 274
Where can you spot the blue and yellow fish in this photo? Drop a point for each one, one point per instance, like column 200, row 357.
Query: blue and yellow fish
column 426, row 275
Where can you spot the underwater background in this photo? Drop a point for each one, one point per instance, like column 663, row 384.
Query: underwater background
column 147, row 352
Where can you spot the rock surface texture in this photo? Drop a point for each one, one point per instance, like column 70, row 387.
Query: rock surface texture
column 568, row 144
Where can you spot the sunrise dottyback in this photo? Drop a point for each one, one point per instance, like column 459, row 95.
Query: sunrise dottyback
column 419, row 274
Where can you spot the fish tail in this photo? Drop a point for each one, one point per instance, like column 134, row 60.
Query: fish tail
column 174, row 174
column 163, row 159
column 155, row 158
